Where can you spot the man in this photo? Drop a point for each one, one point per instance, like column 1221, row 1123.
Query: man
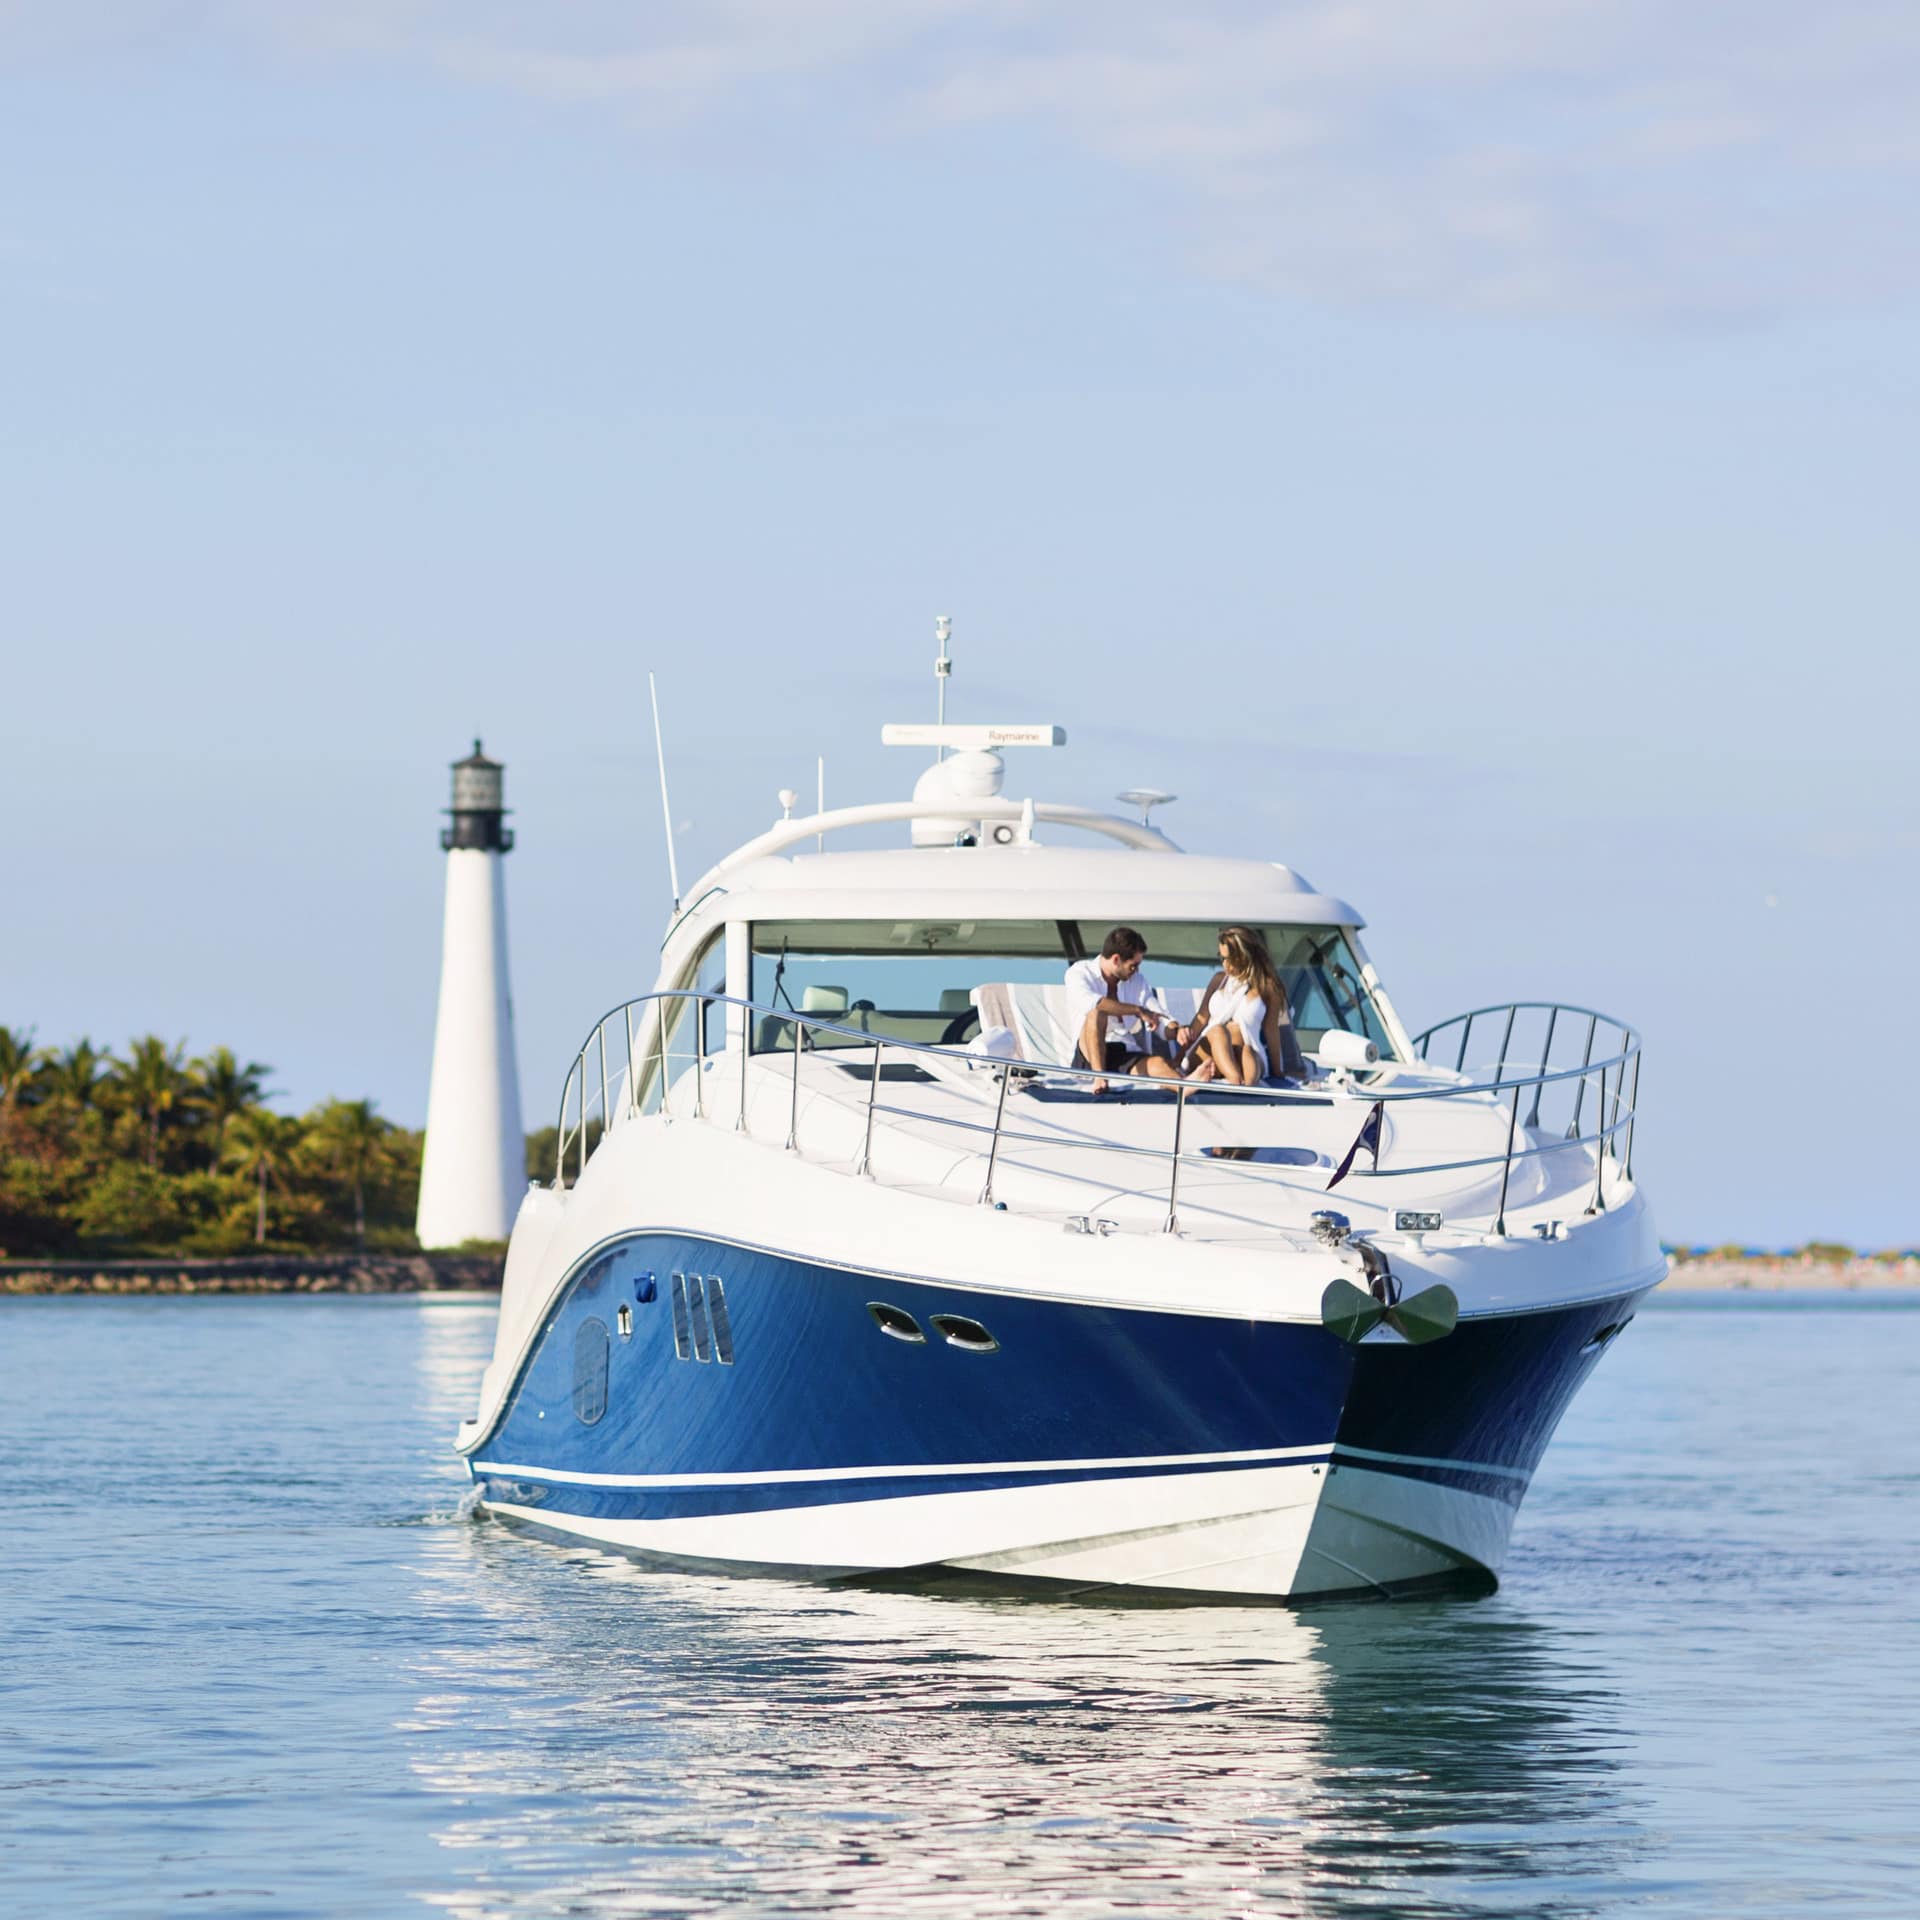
column 1108, row 1013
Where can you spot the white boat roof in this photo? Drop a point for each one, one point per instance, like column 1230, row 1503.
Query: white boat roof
column 1020, row 882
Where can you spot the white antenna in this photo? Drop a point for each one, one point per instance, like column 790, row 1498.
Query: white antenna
column 942, row 672
column 820, row 804
column 1146, row 799
column 666, row 805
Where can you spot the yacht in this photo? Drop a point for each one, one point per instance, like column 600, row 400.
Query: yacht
column 844, row 1272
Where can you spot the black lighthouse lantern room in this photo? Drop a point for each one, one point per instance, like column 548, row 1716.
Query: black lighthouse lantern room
column 478, row 813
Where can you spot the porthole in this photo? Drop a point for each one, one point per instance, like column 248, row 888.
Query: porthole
column 624, row 1319
column 1608, row 1334
column 590, row 1346
column 682, row 1327
column 722, row 1321
column 697, row 1309
column 895, row 1320
column 959, row 1331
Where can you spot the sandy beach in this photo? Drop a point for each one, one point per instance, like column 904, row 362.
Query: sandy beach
column 1793, row 1272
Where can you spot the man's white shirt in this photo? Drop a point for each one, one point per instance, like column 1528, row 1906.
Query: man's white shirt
column 1087, row 986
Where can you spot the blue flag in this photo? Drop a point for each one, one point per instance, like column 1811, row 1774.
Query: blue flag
column 1368, row 1137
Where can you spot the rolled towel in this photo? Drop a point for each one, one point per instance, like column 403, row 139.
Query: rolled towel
column 1339, row 1048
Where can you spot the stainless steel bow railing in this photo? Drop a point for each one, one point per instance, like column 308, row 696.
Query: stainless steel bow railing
column 644, row 1084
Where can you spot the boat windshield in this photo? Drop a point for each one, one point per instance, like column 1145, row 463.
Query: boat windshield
column 911, row 979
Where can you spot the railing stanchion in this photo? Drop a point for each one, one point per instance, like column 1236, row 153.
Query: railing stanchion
column 1598, row 1204
column 1173, row 1183
column 865, row 1169
column 1546, row 1054
column 700, row 1059
column 793, row 1112
column 1616, row 1112
column 660, row 1032
column 1633, row 1114
column 993, row 1147
column 1580, row 1093
column 580, row 1137
column 1506, row 1166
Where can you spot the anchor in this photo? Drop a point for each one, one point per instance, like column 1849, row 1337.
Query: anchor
column 1352, row 1312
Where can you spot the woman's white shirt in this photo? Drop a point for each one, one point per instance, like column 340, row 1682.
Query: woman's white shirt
column 1235, row 1000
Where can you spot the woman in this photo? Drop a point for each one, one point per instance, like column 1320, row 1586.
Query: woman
column 1244, row 1022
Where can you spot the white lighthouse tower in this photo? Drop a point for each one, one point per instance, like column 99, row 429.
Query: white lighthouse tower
column 474, row 1169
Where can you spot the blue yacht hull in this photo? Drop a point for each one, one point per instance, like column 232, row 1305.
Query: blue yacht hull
column 673, row 1418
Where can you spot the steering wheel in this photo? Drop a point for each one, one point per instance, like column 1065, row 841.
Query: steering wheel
column 954, row 1033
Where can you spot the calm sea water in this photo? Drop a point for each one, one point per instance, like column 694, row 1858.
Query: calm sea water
column 255, row 1660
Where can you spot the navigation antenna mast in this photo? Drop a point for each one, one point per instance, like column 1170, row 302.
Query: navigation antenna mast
column 666, row 805
column 942, row 673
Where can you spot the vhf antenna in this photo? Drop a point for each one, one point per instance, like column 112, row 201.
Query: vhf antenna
column 666, row 805
column 942, row 673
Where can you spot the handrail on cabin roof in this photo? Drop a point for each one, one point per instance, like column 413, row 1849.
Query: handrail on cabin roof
column 787, row 833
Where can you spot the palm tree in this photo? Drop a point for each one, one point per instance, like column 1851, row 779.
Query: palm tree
column 223, row 1090
column 75, row 1075
column 354, row 1142
column 153, row 1080
column 20, row 1060
column 259, row 1146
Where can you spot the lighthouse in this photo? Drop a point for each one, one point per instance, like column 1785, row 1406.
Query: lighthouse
column 474, row 1169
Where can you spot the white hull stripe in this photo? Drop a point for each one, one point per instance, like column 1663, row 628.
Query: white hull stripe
column 668, row 1480
column 1345, row 1452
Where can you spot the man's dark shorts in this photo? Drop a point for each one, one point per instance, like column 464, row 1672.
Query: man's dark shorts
column 1120, row 1057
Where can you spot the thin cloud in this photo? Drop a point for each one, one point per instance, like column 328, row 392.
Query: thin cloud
column 1612, row 157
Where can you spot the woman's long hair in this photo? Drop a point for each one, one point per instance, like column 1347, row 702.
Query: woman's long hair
column 1248, row 959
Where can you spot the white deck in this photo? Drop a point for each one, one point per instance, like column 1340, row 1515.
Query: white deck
column 1064, row 1154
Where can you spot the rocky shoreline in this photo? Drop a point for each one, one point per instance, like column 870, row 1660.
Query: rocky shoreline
column 480, row 1273
column 275, row 1273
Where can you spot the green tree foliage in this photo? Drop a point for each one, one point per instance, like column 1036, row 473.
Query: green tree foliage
column 156, row 1154
column 260, row 1147
column 130, row 1205
column 153, row 1084
column 20, row 1064
column 354, row 1145
column 222, row 1090
column 541, row 1146
column 76, row 1077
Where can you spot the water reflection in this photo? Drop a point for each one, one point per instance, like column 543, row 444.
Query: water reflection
column 613, row 1741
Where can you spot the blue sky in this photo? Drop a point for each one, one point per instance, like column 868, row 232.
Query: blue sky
column 1468, row 452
